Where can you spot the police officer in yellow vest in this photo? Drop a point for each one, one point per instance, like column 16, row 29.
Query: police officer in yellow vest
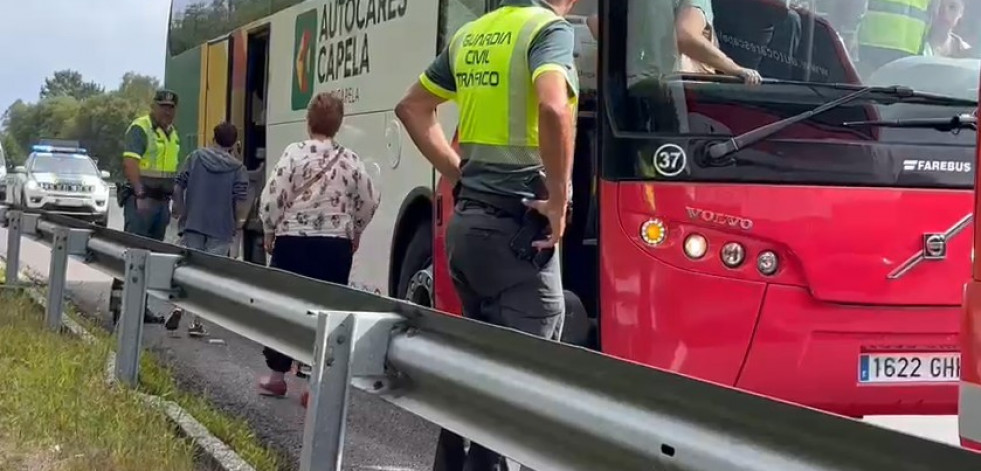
column 890, row 30
column 150, row 165
column 511, row 73
column 150, row 162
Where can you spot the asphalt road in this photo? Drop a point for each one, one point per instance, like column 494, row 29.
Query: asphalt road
column 379, row 436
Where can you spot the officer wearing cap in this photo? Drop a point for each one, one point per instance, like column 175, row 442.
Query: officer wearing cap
column 511, row 73
column 150, row 165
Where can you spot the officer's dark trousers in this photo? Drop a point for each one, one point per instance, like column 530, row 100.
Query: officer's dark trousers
column 151, row 223
column 495, row 286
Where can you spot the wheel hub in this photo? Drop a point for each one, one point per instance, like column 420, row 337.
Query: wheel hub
column 420, row 289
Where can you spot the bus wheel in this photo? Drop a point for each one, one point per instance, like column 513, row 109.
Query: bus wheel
column 577, row 326
column 416, row 275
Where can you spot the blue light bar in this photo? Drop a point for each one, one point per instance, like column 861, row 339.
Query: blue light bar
column 59, row 150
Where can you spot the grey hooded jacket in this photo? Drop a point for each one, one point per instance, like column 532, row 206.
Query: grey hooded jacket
column 213, row 181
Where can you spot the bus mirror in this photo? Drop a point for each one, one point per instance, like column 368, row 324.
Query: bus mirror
column 20, row 169
column 104, row 174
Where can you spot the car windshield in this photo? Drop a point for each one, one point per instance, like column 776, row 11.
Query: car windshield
column 63, row 165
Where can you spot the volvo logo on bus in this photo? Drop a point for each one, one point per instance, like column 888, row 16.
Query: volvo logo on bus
column 934, row 246
column 697, row 214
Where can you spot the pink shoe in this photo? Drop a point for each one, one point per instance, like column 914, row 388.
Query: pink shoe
column 272, row 387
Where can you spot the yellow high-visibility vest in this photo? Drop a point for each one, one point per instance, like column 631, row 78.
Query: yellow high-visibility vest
column 895, row 24
column 495, row 88
column 160, row 159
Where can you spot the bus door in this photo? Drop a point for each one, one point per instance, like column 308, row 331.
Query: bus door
column 214, row 88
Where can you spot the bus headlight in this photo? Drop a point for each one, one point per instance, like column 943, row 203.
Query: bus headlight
column 733, row 254
column 695, row 246
column 767, row 263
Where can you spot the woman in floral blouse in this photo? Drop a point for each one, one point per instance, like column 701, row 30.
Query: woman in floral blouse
column 314, row 208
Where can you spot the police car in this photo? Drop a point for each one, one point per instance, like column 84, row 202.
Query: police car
column 63, row 180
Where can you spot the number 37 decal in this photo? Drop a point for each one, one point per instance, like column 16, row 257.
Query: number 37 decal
column 670, row 160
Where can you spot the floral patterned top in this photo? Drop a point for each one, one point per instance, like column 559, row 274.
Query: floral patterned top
column 318, row 188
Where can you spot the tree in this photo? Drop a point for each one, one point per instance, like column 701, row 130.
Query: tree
column 138, row 88
column 101, row 126
column 86, row 113
column 69, row 83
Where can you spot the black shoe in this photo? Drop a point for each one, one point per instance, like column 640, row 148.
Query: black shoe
column 151, row 318
column 174, row 320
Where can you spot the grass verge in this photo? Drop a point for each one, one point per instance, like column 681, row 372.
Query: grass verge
column 57, row 413
column 158, row 380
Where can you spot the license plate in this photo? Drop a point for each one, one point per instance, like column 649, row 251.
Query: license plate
column 909, row 367
column 68, row 202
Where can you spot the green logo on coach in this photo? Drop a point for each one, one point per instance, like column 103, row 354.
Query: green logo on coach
column 304, row 65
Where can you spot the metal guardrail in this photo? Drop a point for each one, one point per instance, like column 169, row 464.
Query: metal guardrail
column 547, row 405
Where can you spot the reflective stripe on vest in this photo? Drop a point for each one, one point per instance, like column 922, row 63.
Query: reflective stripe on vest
column 895, row 24
column 495, row 94
column 159, row 160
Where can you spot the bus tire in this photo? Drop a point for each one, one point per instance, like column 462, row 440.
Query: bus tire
column 416, row 275
column 577, row 327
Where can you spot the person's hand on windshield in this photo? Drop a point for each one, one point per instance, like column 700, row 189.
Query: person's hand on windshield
column 749, row 76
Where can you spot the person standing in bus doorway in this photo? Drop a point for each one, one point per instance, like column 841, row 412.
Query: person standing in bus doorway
column 317, row 203
column 150, row 154
column 210, row 204
column 512, row 74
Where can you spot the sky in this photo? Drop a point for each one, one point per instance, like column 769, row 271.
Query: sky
column 102, row 39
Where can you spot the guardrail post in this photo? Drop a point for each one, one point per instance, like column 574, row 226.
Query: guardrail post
column 57, row 276
column 66, row 242
column 13, row 247
column 130, row 326
column 330, row 380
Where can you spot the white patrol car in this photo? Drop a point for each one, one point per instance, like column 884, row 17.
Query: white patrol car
column 62, row 180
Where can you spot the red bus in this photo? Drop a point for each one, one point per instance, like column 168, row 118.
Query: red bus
column 781, row 238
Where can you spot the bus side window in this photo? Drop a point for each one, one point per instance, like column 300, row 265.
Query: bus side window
column 455, row 13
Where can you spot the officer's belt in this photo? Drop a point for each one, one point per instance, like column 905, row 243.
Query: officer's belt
column 506, row 206
column 157, row 193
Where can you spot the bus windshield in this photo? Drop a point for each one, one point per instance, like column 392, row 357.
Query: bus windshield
column 681, row 66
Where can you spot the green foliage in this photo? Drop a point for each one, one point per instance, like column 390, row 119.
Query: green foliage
column 69, row 83
column 71, row 108
column 194, row 22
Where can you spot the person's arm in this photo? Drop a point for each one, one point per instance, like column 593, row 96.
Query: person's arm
column 180, row 184
column 417, row 111
column 134, row 145
column 690, row 24
column 551, row 61
column 278, row 192
column 240, row 194
column 366, row 200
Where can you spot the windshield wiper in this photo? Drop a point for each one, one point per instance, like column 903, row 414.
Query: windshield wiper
column 718, row 151
column 951, row 124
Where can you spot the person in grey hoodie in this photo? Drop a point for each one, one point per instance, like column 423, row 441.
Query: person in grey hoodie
column 210, row 203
